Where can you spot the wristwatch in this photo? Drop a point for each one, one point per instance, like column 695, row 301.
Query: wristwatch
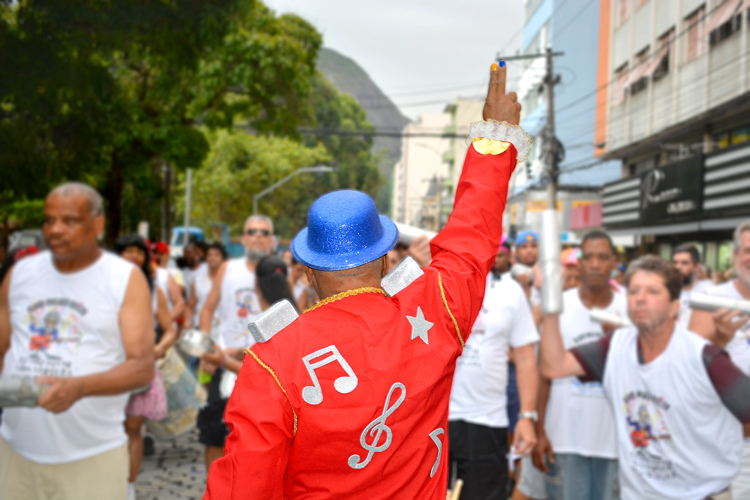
column 532, row 415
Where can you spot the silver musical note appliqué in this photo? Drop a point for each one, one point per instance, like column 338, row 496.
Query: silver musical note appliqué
column 434, row 435
column 376, row 428
column 313, row 394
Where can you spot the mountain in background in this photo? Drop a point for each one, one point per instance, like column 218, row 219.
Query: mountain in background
column 348, row 77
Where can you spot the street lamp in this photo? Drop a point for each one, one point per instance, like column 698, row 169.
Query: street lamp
column 318, row 169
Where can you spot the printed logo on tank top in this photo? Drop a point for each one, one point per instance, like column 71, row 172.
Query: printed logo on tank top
column 54, row 332
column 246, row 302
column 650, row 434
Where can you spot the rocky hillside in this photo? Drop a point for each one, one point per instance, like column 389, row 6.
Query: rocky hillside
column 348, row 77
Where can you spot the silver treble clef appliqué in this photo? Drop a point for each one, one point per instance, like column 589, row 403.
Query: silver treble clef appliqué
column 376, row 428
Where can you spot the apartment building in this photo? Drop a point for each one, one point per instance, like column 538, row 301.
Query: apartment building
column 674, row 106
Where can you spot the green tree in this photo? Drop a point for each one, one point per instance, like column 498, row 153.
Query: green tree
column 108, row 91
column 241, row 165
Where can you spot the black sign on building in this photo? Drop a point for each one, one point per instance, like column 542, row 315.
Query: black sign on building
column 672, row 193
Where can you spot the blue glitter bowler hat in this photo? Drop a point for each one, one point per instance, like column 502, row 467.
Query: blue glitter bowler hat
column 343, row 231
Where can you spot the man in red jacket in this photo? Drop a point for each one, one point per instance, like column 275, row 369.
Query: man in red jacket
column 351, row 399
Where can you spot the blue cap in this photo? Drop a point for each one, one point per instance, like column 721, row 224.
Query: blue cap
column 525, row 237
column 343, row 231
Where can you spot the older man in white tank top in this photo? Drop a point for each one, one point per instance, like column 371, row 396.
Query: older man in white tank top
column 80, row 319
column 234, row 290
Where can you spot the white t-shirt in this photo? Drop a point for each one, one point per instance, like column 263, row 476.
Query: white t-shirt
column 676, row 439
column 685, row 310
column 66, row 325
column 161, row 281
column 479, row 387
column 579, row 418
column 191, row 274
column 239, row 304
column 739, row 347
column 203, row 284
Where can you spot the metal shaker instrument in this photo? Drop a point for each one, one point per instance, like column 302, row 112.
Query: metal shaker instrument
column 601, row 316
column 406, row 233
column 549, row 258
column 705, row 302
column 19, row 391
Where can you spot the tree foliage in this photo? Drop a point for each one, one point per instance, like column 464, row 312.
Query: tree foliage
column 241, row 165
column 106, row 92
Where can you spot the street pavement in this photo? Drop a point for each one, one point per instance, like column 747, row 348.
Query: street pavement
column 176, row 471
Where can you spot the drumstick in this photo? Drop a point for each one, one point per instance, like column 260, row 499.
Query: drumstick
column 456, row 492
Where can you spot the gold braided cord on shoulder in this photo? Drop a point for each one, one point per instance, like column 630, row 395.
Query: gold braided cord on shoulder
column 273, row 374
column 342, row 295
column 445, row 301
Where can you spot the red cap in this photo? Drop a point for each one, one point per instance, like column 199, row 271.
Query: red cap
column 161, row 247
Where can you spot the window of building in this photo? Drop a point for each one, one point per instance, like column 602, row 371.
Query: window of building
column 638, row 79
column 621, row 80
column 662, row 60
column 695, row 40
column 639, row 167
column 725, row 20
column 624, row 10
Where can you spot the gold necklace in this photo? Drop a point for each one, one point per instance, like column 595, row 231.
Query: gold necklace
column 348, row 293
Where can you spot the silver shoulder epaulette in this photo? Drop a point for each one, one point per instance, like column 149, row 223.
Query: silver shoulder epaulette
column 401, row 276
column 276, row 318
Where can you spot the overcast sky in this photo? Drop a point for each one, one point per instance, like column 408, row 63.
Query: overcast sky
column 418, row 51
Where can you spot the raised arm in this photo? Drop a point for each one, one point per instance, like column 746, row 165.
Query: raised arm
column 212, row 302
column 555, row 360
column 137, row 334
column 464, row 251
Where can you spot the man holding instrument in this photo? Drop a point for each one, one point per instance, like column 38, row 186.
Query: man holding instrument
column 678, row 401
column 727, row 324
column 351, row 399
column 80, row 320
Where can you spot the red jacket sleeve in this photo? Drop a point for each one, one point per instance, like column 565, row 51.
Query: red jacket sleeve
column 464, row 251
column 261, row 424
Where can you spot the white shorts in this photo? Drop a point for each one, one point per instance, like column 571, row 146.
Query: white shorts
column 532, row 480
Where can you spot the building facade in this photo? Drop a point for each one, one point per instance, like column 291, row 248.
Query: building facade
column 423, row 157
column 674, row 107
column 571, row 28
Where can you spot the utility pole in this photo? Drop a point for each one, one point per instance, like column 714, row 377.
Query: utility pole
column 551, row 144
column 551, row 148
column 188, row 194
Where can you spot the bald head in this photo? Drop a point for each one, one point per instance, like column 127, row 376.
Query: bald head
column 328, row 283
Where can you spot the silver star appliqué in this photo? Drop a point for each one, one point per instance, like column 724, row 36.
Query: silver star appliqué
column 419, row 326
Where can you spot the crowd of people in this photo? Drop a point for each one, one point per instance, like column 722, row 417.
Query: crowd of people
column 455, row 379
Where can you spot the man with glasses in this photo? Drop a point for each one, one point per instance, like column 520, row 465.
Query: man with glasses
column 234, row 292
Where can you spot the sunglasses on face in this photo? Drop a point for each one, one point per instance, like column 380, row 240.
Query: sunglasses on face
column 263, row 232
